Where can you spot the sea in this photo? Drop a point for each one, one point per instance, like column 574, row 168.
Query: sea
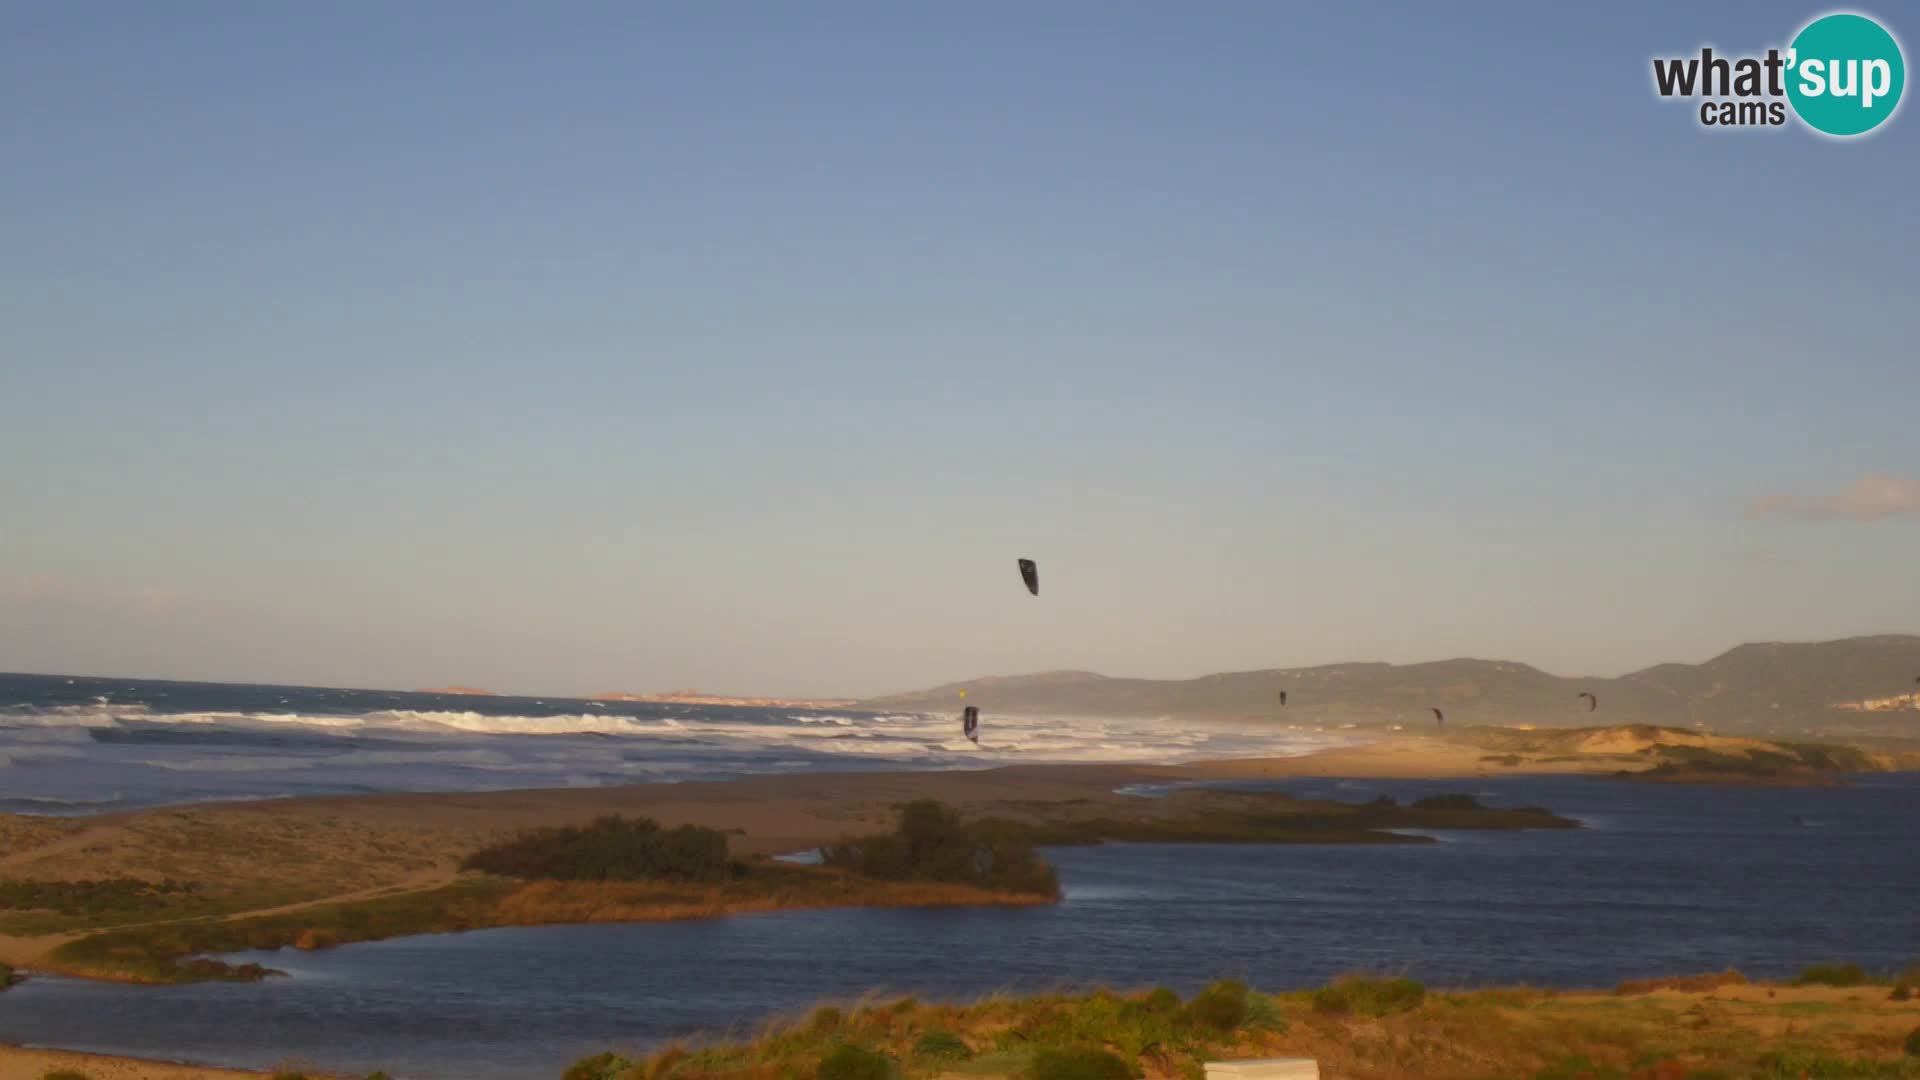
column 90, row 745
column 1660, row 880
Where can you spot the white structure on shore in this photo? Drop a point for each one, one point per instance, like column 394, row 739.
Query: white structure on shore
column 1264, row 1069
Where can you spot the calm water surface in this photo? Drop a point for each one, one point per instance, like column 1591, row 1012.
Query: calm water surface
column 1666, row 879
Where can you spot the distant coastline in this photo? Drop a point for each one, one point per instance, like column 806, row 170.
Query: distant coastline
column 696, row 697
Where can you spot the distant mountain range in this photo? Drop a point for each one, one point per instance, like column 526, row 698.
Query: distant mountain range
column 1862, row 685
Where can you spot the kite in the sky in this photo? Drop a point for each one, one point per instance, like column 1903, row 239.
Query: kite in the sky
column 970, row 724
column 1592, row 702
column 1030, row 574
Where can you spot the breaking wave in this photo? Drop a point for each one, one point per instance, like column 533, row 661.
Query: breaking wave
column 167, row 744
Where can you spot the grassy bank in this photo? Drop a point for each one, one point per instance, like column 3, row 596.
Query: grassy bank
column 1785, row 764
column 162, row 954
column 1364, row 1029
column 612, row 870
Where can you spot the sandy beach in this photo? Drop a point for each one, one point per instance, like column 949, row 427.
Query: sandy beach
column 21, row 1063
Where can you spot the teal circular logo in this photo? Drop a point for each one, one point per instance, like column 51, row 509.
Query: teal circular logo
column 1845, row 74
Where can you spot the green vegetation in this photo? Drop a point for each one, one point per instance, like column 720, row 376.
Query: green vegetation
column 850, row 1062
column 931, row 844
column 1785, row 763
column 31, row 907
column 1912, row 1045
column 938, row 1045
column 64, row 1074
column 1578, row 1067
column 1077, row 1063
column 1369, row 997
column 1831, row 975
column 94, row 899
column 1222, row 1006
column 1796, row 1065
column 1378, row 1028
column 7, row 976
column 611, row 849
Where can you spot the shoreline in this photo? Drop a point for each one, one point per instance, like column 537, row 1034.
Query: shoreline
column 279, row 857
column 18, row 1062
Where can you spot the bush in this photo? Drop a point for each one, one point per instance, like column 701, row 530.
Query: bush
column 7, row 976
column 1263, row 1013
column 850, row 1062
column 610, row 849
column 826, row 1018
column 1831, row 975
column 1161, row 1000
column 931, row 844
column 941, row 1046
column 1222, row 1006
column 1369, row 997
column 1079, row 1063
column 378, row 1076
column 1900, row 993
column 64, row 1074
column 1912, row 1045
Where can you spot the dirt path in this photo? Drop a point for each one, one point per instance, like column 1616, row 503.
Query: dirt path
column 31, row 952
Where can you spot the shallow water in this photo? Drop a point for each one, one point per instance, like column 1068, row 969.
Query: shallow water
column 1667, row 880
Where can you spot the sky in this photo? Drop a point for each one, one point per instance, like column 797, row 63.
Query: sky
column 582, row 347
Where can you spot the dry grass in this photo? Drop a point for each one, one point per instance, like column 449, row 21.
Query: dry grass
column 1733, row 1029
column 155, row 953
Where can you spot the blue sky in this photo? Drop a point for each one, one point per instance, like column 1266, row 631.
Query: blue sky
column 585, row 347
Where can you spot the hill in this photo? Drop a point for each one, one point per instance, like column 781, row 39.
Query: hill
column 1855, row 686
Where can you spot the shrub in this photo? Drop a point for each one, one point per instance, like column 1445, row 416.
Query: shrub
column 7, row 976
column 931, row 844
column 1900, row 993
column 64, row 1074
column 1078, row 1063
column 1161, row 1000
column 1912, row 1045
column 610, row 849
column 378, row 1076
column 850, row 1062
column 824, row 1019
column 941, row 1046
column 1369, row 997
column 1263, row 1013
column 1222, row 1006
column 597, row 1067
column 1831, row 975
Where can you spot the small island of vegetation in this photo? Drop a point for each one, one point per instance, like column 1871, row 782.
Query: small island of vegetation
column 613, row 869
